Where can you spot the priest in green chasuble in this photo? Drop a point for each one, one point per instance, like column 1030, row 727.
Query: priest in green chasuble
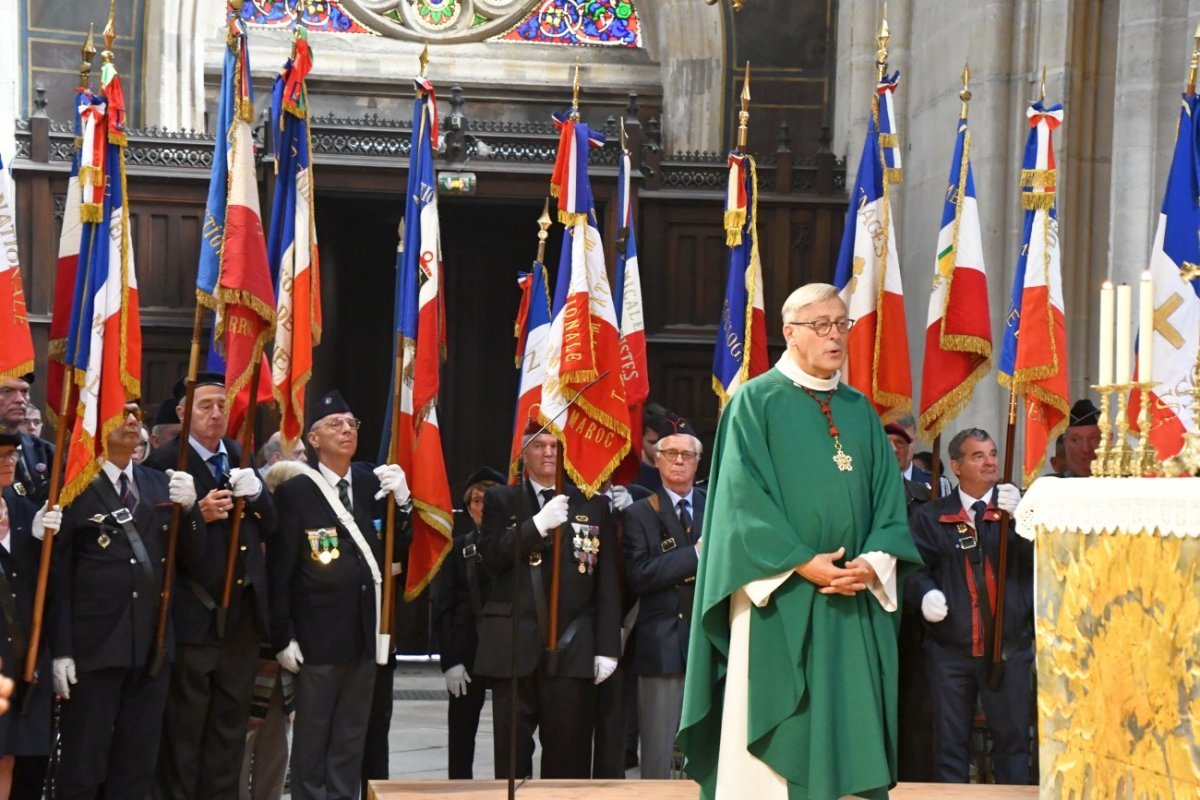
column 790, row 691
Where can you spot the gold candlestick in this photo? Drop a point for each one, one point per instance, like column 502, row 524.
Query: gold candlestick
column 1104, row 451
column 1144, row 462
column 1121, row 454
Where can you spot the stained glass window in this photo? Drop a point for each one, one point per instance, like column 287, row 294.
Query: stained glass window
column 316, row 15
column 612, row 23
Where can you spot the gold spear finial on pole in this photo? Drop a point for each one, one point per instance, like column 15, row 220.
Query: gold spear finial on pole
column 86, row 54
column 881, row 42
column 1195, row 63
column 575, row 92
column 423, row 59
column 544, row 223
column 110, row 34
column 965, row 93
column 744, row 114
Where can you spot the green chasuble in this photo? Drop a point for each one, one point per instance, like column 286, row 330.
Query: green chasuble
column 823, row 668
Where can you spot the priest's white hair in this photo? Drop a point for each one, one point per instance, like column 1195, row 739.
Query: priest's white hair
column 807, row 295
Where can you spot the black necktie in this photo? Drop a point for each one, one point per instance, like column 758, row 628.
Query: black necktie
column 343, row 487
column 685, row 516
column 547, row 495
column 126, row 492
column 216, row 465
column 978, row 507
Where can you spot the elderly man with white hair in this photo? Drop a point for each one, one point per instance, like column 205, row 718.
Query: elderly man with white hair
column 791, row 688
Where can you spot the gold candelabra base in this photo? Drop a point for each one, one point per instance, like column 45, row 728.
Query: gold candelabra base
column 1115, row 458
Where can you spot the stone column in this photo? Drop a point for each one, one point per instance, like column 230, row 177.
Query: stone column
column 174, row 74
column 10, row 80
column 687, row 38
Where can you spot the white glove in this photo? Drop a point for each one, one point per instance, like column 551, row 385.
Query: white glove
column 290, row 657
column 244, row 482
column 621, row 498
column 457, row 680
column 181, row 489
column 1007, row 497
column 393, row 481
column 64, row 676
column 553, row 514
column 45, row 518
column 603, row 667
column 933, row 606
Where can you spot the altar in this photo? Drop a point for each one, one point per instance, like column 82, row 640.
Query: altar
column 1117, row 598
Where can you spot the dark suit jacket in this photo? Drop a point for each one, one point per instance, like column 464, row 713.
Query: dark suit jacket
column 33, row 470
column 194, row 623
column 658, row 579
column 103, row 605
column 24, row 734
column 935, row 530
column 455, row 620
column 594, row 598
column 328, row 608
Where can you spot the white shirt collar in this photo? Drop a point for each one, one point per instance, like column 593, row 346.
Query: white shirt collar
column 908, row 472
column 205, row 453
column 333, row 477
column 538, row 488
column 968, row 501
column 114, row 473
column 675, row 498
column 788, row 367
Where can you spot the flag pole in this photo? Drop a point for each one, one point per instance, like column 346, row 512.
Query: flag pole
column 995, row 668
column 239, row 503
column 559, row 478
column 29, row 673
column 935, row 472
column 388, row 593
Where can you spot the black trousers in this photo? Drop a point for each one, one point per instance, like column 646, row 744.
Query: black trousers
column 608, row 757
column 562, row 710
column 29, row 777
column 375, row 754
column 957, row 679
column 208, row 708
column 333, row 704
column 462, row 718
column 110, row 734
column 915, row 748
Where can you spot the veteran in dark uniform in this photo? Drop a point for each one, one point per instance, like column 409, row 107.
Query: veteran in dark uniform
column 958, row 537
column 212, row 680
column 32, row 479
column 325, row 570
column 107, row 580
column 24, row 737
column 555, row 692
column 460, row 589
column 662, row 551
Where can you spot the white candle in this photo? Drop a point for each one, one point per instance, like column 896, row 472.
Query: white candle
column 1145, row 328
column 1124, row 332
column 1106, row 334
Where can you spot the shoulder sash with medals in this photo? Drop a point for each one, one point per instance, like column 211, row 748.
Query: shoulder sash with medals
column 382, row 640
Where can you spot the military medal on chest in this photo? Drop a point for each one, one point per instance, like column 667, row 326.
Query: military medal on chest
column 323, row 543
column 586, row 543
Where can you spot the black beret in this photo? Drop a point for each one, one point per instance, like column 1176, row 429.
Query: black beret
column 202, row 379
column 166, row 414
column 331, row 403
column 11, row 439
column 483, row 474
column 1084, row 412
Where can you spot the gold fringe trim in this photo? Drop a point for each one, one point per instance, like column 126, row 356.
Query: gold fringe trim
column 438, row 519
column 131, row 383
column 92, row 174
column 893, row 175
column 723, row 397
column 117, row 138
column 295, row 110
column 1039, row 178
column 57, row 349
column 570, row 219
column 590, row 489
column 755, row 268
column 1037, row 201
column 735, row 220
column 1055, row 402
column 241, row 297
column 244, row 109
column 78, row 142
column 937, row 417
column 889, row 140
column 91, row 212
column 897, row 406
column 18, row 370
column 554, row 190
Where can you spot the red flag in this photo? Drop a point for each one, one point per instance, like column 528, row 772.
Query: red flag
column 16, row 343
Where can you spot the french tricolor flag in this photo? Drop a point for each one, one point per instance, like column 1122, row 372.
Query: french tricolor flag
column 868, row 270
column 533, row 336
column 628, row 299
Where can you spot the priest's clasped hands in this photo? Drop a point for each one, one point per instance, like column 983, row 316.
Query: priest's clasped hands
column 823, row 571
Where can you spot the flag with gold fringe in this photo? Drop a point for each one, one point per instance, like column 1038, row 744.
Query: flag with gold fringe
column 1033, row 356
column 532, row 331
column 16, row 342
column 958, row 329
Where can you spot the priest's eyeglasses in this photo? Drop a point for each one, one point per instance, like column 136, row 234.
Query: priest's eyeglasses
column 822, row 327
